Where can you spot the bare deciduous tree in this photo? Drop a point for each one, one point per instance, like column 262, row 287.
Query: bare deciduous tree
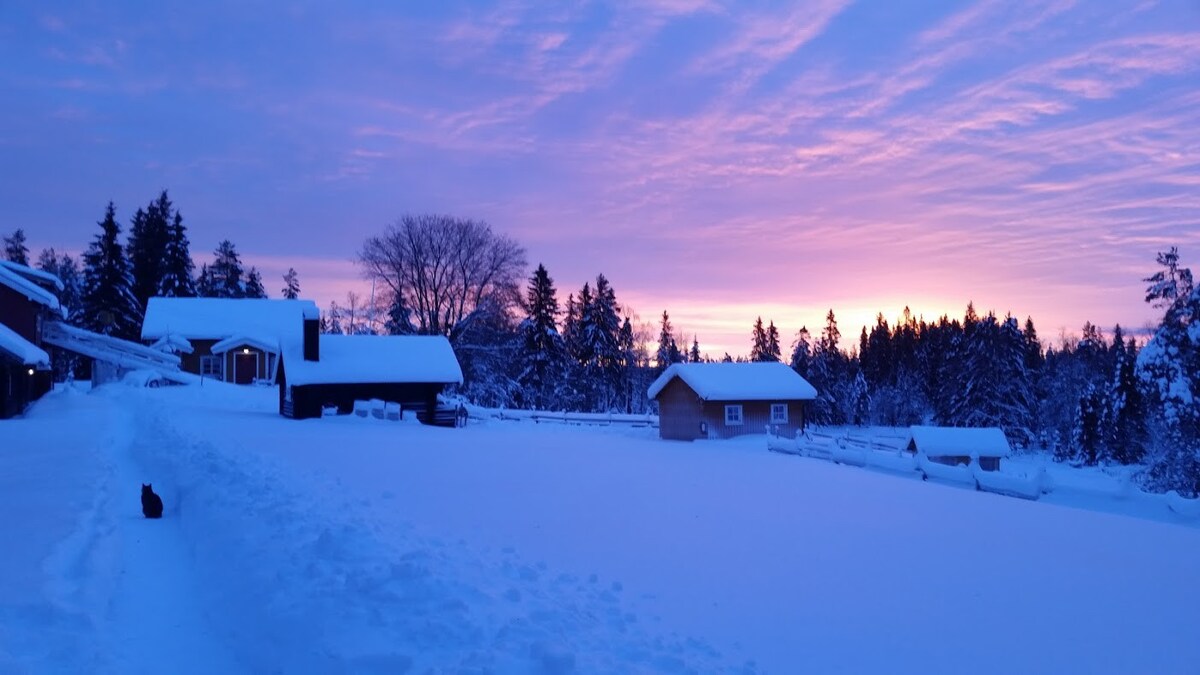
column 447, row 270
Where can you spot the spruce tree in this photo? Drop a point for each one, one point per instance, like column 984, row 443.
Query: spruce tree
column 15, row 249
column 773, row 353
column 178, row 268
column 694, row 354
column 291, row 288
column 224, row 275
column 149, row 234
column 668, row 349
column 543, row 354
column 802, row 352
column 1169, row 367
column 758, row 342
column 399, row 316
column 108, row 304
column 1127, row 430
column 254, row 285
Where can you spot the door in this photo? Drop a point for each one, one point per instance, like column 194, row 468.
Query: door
column 245, row 367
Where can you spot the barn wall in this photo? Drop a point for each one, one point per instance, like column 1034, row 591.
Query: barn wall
column 19, row 313
column 679, row 412
column 756, row 417
column 190, row 363
column 307, row 400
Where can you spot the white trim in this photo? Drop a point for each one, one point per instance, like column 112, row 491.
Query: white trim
column 237, row 354
column 737, row 418
column 219, row 360
column 781, row 418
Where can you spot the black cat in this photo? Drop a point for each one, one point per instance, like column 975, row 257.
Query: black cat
column 151, row 503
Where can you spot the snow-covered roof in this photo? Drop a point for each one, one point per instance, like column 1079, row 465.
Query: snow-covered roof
column 23, row 350
column 21, row 283
column 33, row 273
column 738, row 381
column 959, row 441
column 220, row 318
column 361, row 359
column 263, row 342
column 171, row 343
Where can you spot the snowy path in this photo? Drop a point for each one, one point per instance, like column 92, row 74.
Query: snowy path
column 158, row 614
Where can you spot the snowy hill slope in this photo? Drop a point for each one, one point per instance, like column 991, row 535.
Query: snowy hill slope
column 347, row 545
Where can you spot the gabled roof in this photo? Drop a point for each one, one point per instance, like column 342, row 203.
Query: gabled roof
column 34, row 274
column 21, row 349
column 20, row 282
column 220, row 318
column 959, row 441
column 738, row 381
column 263, row 342
column 363, row 359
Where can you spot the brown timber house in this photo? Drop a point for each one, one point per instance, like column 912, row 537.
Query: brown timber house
column 319, row 372
column 723, row 400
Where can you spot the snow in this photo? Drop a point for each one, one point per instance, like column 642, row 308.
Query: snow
column 738, row 381
column 960, row 442
column 266, row 343
column 29, row 289
column 217, row 318
column 171, row 344
column 361, row 545
column 33, row 273
column 29, row 353
column 356, row 359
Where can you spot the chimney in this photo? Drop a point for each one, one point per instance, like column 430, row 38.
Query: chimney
column 312, row 336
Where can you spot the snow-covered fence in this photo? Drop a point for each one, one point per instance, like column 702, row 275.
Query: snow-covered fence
column 900, row 462
column 1025, row 487
column 545, row 416
column 960, row 474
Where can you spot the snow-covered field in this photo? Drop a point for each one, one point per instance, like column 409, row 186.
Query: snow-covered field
column 348, row 545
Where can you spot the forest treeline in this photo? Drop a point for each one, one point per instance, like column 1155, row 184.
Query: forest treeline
column 1096, row 399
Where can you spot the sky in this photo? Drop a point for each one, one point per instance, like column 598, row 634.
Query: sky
column 719, row 160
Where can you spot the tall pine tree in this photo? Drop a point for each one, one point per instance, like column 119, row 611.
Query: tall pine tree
column 291, row 288
column 108, row 304
column 15, row 249
column 178, row 269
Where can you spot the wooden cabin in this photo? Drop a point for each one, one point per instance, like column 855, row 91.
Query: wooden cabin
column 28, row 298
column 723, row 400
column 333, row 371
column 229, row 339
column 955, row 446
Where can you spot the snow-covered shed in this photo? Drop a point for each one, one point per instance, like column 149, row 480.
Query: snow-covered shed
column 28, row 298
column 960, row 445
column 232, row 339
column 318, row 371
column 721, row 400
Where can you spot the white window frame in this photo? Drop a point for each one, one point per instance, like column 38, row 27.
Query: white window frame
column 779, row 413
column 734, row 416
column 218, row 372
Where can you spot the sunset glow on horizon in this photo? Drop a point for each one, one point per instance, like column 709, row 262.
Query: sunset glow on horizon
column 717, row 160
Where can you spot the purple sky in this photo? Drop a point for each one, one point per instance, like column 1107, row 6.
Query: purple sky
column 719, row 160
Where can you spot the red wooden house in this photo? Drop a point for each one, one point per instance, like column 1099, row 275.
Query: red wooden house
column 28, row 298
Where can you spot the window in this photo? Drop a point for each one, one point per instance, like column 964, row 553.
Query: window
column 733, row 415
column 778, row 413
column 212, row 366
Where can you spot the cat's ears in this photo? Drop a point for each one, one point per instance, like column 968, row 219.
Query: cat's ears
column 146, row 485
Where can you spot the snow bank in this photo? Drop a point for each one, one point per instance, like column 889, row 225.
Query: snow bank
column 1182, row 506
